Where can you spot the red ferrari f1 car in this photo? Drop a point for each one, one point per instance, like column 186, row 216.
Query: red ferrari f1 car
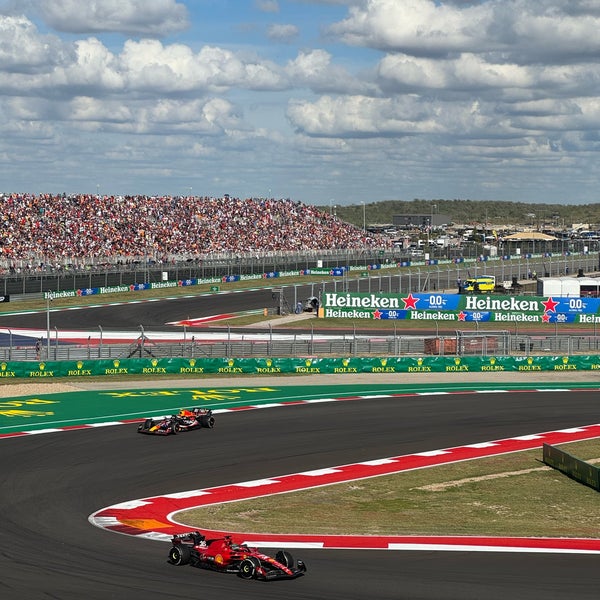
column 185, row 420
column 225, row 556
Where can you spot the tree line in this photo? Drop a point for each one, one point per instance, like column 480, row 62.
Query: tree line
column 473, row 212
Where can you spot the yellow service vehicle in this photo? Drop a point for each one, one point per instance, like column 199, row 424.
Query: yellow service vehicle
column 480, row 285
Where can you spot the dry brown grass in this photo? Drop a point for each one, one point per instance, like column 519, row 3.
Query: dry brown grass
column 510, row 495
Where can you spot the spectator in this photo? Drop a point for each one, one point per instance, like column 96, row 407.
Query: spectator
column 50, row 231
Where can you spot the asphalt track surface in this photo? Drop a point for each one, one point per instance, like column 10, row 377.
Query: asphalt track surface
column 159, row 316
column 152, row 315
column 51, row 483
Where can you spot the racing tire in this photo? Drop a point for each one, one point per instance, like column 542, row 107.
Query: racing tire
column 207, row 421
column 179, row 555
column 285, row 558
column 248, row 567
column 145, row 426
column 175, row 429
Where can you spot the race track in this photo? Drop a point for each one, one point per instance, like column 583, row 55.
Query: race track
column 51, row 483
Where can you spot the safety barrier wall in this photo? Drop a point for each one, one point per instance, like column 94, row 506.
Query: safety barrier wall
column 156, row 367
column 426, row 274
column 575, row 468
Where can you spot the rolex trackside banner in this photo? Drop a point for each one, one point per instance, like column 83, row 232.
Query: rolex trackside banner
column 157, row 367
column 458, row 307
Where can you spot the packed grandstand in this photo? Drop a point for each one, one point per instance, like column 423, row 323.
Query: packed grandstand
column 64, row 228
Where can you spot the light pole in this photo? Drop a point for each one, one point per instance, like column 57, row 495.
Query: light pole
column 430, row 229
column 485, row 229
column 364, row 216
column 48, row 298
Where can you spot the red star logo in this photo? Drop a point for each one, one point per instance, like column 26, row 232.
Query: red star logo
column 462, row 316
column 79, row 292
column 377, row 314
column 549, row 305
column 545, row 318
column 410, row 301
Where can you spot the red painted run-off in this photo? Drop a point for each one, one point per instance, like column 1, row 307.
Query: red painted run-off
column 154, row 517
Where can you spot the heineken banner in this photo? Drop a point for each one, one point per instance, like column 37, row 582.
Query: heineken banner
column 460, row 307
column 155, row 367
column 138, row 287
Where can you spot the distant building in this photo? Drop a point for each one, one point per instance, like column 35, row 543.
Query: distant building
column 421, row 221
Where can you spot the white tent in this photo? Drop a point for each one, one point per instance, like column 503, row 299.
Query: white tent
column 529, row 236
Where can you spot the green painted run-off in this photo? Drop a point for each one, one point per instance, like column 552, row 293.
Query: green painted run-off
column 46, row 411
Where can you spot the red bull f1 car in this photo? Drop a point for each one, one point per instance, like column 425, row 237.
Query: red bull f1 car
column 195, row 418
column 185, row 420
column 225, row 556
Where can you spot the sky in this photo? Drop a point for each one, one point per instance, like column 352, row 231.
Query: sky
column 328, row 102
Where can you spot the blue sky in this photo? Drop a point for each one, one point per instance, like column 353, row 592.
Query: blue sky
column 322, row 101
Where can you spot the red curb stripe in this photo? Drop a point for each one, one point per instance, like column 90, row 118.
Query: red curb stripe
column 160, row 509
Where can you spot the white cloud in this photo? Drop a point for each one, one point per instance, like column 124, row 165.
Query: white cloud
column 421, row 27
column 282, row 33
column 24, row 50
column 361, row 116
column 520, row 29
column 149, row 65
column 468, row 72
column 45, row 65
column 137, row 17
column 268, row 6
column 314, row 69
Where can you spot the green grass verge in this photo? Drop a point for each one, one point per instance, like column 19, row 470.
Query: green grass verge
column 510, row 495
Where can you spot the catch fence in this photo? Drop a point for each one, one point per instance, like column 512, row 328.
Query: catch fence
column 312, row 344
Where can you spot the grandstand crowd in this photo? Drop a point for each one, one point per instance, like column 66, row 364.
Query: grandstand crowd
column 65, row 228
